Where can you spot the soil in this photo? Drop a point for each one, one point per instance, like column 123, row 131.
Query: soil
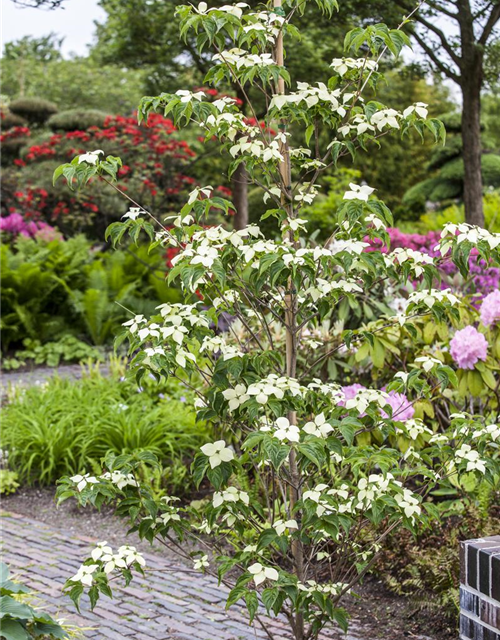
column 381, row 614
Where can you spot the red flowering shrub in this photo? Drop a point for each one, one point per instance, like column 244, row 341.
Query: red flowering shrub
column 155, row 163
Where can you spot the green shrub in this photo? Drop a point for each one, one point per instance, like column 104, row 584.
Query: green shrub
column 34, row 110
column 8, row 482
column 64, row 427
column 77, row 119
column 67, row 349
column 57, row 287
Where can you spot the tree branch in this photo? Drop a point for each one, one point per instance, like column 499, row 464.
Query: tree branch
column 436, row 60
column 490, row 24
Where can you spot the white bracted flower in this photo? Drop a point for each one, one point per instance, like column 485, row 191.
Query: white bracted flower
column 358, row 192
column 474, row 462
column 420, row 108
column 286, row 431
column 280, row 526
column 84, row 574
column 82, row 481
column 101, row 549
column 217, row 453
column 319, row 427
column 91, row 157
column 236, row 396
column 201, row 563
column 261, row 573
column 133, row 213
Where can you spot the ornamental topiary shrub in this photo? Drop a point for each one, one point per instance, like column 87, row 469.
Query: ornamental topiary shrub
column 77, row 120
column 35, row 110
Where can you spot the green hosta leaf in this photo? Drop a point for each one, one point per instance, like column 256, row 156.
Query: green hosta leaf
column 14, row 630
column 15, row 609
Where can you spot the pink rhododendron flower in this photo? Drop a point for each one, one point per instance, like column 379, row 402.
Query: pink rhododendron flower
column 467, row 347
column 402, row 409
column 350, row 392
column 490, row 308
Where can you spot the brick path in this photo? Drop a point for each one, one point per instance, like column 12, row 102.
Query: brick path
column 172, row 604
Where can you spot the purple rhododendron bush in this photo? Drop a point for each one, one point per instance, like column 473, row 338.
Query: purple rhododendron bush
column 348, row 383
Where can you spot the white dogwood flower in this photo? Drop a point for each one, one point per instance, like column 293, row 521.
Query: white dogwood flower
column 358, row 193
column 82, row 481
column 319, row 427
column 84, row 574
column 261, row 573
column 217, row 453
column 91, row 157
column 201, row 563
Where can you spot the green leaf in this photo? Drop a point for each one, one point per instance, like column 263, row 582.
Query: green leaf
column 267, row 537
column 14, row 630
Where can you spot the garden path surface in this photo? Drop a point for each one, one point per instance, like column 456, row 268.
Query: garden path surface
column 39, row 375
column 174, row 602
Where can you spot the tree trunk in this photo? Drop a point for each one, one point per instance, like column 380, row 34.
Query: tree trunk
column 471, row 138
column 240, row 197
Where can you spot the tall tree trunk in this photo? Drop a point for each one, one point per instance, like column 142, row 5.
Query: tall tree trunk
column 471, row 138
column 471, row 81
column 239, row 182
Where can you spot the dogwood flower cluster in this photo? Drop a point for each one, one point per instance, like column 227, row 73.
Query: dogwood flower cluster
column 342, row 65
column 458, row 233
column 419, row 108
column 218, row 344
column 234, row 9
column 107, row 561
column 231, row 494
column 467, row 454
column 91, row 157
column 318, row 427
column 323, row 288
column 120, row 479
column 242, row 59
column 199, row 564
column 430, row 297
column 386, row 118
column 328, row 588
column 363, row 398
column 82, row 481
column 358, row 192
column 258, row 149
column 358, row 125
column 282, row 526
column 311, row 96
column 270, row 23
column 416, row 258
column 415, row 428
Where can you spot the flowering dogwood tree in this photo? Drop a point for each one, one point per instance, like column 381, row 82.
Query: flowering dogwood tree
column 301, row 500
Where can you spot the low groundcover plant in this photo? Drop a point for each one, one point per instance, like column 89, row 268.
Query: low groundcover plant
column 302, row 500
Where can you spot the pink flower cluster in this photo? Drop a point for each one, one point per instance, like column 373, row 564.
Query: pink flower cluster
column 402, row 409
column 467, row 347
column 490, row 308
column 15, row 225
